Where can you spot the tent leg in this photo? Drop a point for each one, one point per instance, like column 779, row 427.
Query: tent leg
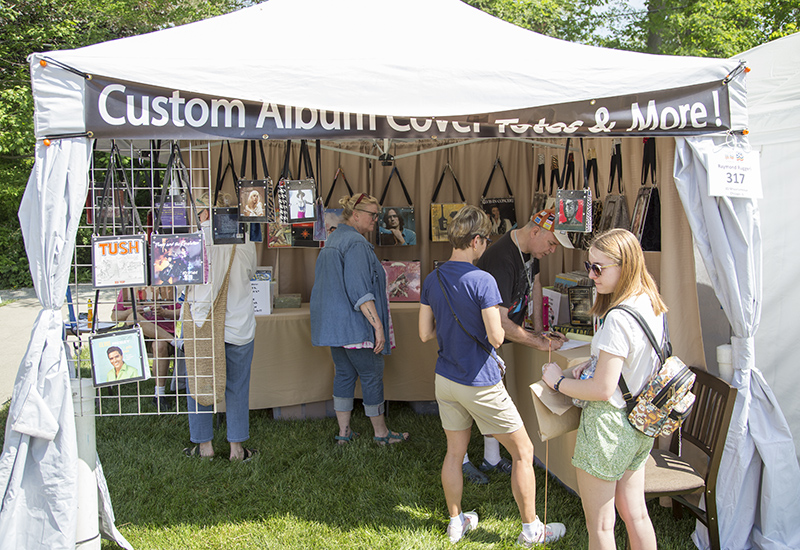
column 87, row 535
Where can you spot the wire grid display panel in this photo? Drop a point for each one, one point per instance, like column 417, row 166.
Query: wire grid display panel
column 158, row 309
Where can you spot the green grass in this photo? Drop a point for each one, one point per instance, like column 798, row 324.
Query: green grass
column 303, row 491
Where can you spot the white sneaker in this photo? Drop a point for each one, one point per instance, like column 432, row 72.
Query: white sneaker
column 552, row 532
column 470, row 523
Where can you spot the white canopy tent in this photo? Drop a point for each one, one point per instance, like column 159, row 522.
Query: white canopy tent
column 317, row 69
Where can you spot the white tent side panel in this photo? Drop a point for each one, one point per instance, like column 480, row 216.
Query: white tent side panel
column 773, row 88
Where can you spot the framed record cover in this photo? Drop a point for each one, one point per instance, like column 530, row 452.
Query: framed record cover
column 119, row 261
column 226, row 227
column 402, row 280
column 178, row 259
column 253, row 200
column 118, row 357
column 580, row 305
column 397, row 226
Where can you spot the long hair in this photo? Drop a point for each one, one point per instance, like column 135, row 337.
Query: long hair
column 348, row 204
column 622, row 246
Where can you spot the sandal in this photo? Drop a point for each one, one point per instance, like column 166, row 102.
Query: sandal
column 344, row 439
column 194, row 452
column 391, row 438
column 248, row 455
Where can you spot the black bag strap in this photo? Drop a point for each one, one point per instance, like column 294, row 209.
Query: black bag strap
column 540, row 183
column 586, row 170
column 568, row 170
column 494, row 356
column 447, row 168
column 304, row 161
column 649, row 161
column 591, row 169
column 403, row 185
column 221, row 173
column 555, row 176
column 176, row 163
column 630, row 401
column 339, row 172
column 497, row 163
column 116, row 178
column 616, row 169
column 286, row 173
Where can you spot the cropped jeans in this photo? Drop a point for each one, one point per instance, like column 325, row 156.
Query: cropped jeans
column 352, row 364
column 237, row 399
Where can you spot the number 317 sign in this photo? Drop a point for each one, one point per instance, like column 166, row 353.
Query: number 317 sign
column 734, row 172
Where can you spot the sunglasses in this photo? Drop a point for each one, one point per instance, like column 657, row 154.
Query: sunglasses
column 596, row 268
column 373, row 214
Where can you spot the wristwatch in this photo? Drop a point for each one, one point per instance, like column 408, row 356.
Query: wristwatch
column 557, row 384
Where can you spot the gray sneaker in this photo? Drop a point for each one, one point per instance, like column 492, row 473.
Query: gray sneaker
column 470, row 523
column 473, row 474
column 503, row 466
column 551, row 533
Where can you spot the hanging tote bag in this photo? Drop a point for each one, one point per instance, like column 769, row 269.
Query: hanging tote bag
column 225, row 225
column 646, row 221
column 442, row 213
column 333, row 216
column 301, row 195
column 178, row 259
column 319, row 206
column 254, row 194
column 501, row 211
column 615, row 209
column 279, row 230
column 397, row 224
column 540, row 191
column 573, row 206
column 119, row 260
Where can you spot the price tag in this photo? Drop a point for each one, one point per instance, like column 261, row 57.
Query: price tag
column 734, row 172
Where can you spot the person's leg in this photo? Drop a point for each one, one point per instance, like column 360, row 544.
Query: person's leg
column 237, row 395
column 523, row 482
column 201, row 428
column 633, row 510
column 344, row 387
column 369, row 366
column 597, row 498
column 452, row 480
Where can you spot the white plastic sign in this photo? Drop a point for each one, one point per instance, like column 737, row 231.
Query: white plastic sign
column 734, row 172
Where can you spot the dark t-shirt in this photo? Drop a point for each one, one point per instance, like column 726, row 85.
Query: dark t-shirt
column 503, row 261
column 470, row 290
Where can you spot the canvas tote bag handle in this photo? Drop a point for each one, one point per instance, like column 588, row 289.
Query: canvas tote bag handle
column 403, row 185
column 441, row 179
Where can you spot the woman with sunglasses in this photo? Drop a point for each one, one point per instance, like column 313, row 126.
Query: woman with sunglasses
column 350, row 313
column 610, row 454
column 459, row 306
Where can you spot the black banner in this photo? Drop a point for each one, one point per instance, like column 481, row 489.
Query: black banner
column 120, row 109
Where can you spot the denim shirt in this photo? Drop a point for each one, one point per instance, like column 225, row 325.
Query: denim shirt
column 347, row 274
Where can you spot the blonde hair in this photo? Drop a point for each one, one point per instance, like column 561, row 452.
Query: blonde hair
column 622, row 246
column 468, row 222
column 348, row 204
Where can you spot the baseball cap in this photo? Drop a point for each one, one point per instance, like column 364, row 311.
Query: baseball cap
column 546, row 219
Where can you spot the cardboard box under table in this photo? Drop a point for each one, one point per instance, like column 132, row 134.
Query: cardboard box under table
column 524, row 367
column 287, row 370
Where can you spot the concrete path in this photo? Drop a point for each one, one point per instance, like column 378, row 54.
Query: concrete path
column 18, row 312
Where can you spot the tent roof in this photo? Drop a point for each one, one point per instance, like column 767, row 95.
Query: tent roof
column 417, row 58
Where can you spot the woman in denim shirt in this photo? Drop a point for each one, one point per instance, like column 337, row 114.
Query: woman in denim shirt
column 350, row 313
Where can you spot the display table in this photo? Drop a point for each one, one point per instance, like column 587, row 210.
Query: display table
column 288, row 370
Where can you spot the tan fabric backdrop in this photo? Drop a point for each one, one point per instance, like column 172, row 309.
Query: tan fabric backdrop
column 673, row 268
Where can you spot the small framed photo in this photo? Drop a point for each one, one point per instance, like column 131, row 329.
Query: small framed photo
column 301, row 195
column 253, row 200
column 397, row 226
column 118, row 357
column 226, row 227
column 119, row 261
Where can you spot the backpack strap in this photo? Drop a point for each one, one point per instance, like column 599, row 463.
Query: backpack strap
column 630, row 400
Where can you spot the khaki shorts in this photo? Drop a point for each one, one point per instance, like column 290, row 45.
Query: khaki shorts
column 490, row 406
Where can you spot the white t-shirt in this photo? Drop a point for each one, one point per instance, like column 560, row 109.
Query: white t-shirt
column 240, row 320
column 622, row 336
